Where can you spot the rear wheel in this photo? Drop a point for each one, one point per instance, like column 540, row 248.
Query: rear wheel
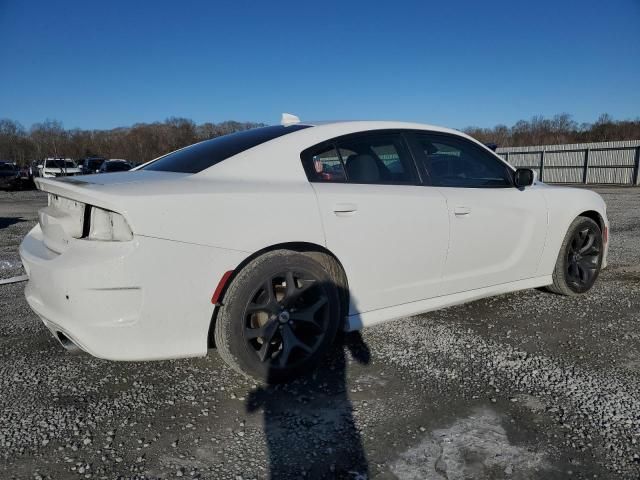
column 580, row 258
column 279, row 317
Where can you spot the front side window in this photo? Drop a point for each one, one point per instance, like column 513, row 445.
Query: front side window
column 448, row 161
column 378, row 158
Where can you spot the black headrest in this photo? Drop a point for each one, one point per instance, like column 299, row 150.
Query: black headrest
column 362, row 168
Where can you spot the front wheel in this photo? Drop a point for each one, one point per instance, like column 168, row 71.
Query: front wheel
column 279, row 317
column 580, row 258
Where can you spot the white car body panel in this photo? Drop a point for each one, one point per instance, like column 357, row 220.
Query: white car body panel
column 366, row 319
column 497, row 235
column 365, row 238
column 404, row 250
column 565, row 204
column 141, row 300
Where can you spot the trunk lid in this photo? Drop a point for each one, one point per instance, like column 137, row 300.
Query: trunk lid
column 63, row 219
column 106, row 190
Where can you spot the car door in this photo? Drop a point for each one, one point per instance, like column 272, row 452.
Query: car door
column 390, row 233
column 497, row 231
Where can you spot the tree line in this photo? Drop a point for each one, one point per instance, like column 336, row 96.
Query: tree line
column 557, row 130
column 139, row 143
column 145, row 141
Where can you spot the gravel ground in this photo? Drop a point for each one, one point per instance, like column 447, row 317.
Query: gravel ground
column 525, row 386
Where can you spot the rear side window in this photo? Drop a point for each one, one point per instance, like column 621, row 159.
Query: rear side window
column 376, row 157
column 198, row 157
column 327, row 165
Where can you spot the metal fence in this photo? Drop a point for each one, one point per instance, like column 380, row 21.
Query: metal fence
column 596, row 163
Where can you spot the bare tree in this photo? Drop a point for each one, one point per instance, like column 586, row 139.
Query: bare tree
column 145, row 141
column 558, row 130
column 49, row 138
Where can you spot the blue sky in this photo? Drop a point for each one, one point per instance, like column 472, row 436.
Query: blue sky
column 114, row 63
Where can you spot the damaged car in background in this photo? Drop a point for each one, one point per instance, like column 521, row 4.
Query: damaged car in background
column 57, row 167
column 269, row 241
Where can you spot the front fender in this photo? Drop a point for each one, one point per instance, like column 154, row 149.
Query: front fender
column 564, row 205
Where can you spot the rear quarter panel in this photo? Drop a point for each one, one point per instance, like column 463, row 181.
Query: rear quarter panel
column 224, row 213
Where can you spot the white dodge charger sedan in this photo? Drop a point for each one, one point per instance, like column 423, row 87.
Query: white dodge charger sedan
column 268, row 242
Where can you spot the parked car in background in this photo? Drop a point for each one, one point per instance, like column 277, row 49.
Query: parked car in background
column 24, row 173
column 271, row 240
column 25, row 177
column 58, row 167
column 115, row 165
column 9, row 175
column 91, row 165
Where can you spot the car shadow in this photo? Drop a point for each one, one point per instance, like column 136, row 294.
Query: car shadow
column 8, row 221
column 309, row 423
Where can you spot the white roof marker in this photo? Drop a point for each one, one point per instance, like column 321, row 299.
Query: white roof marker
column 289, row 119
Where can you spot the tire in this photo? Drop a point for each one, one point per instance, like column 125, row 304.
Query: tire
column 579, row 260
column 279, row 317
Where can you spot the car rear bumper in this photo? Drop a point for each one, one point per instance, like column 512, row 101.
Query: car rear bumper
column 146, row 299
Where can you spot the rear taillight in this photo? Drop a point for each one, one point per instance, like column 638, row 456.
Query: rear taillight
column 86, row 221
column 108, row 226
column 69, row 213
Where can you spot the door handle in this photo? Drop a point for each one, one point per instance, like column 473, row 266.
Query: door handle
column 345, row 209
column 461, row 211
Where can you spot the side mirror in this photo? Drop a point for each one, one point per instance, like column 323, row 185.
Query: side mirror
column 523, row 177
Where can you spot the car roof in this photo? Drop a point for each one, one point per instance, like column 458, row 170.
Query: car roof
column 284, row 151
column 376, row 125
column 291, row 119
column 325, row 130
column 336, row 128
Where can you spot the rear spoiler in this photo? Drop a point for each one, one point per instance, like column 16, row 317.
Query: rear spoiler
column 78, row 190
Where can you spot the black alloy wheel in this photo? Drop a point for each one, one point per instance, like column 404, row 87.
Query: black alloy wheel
column 286, row 319
column 580, row 258
column 279, row 316
column 583, row 258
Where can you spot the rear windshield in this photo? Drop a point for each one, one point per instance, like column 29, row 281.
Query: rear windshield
column 205, row 154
